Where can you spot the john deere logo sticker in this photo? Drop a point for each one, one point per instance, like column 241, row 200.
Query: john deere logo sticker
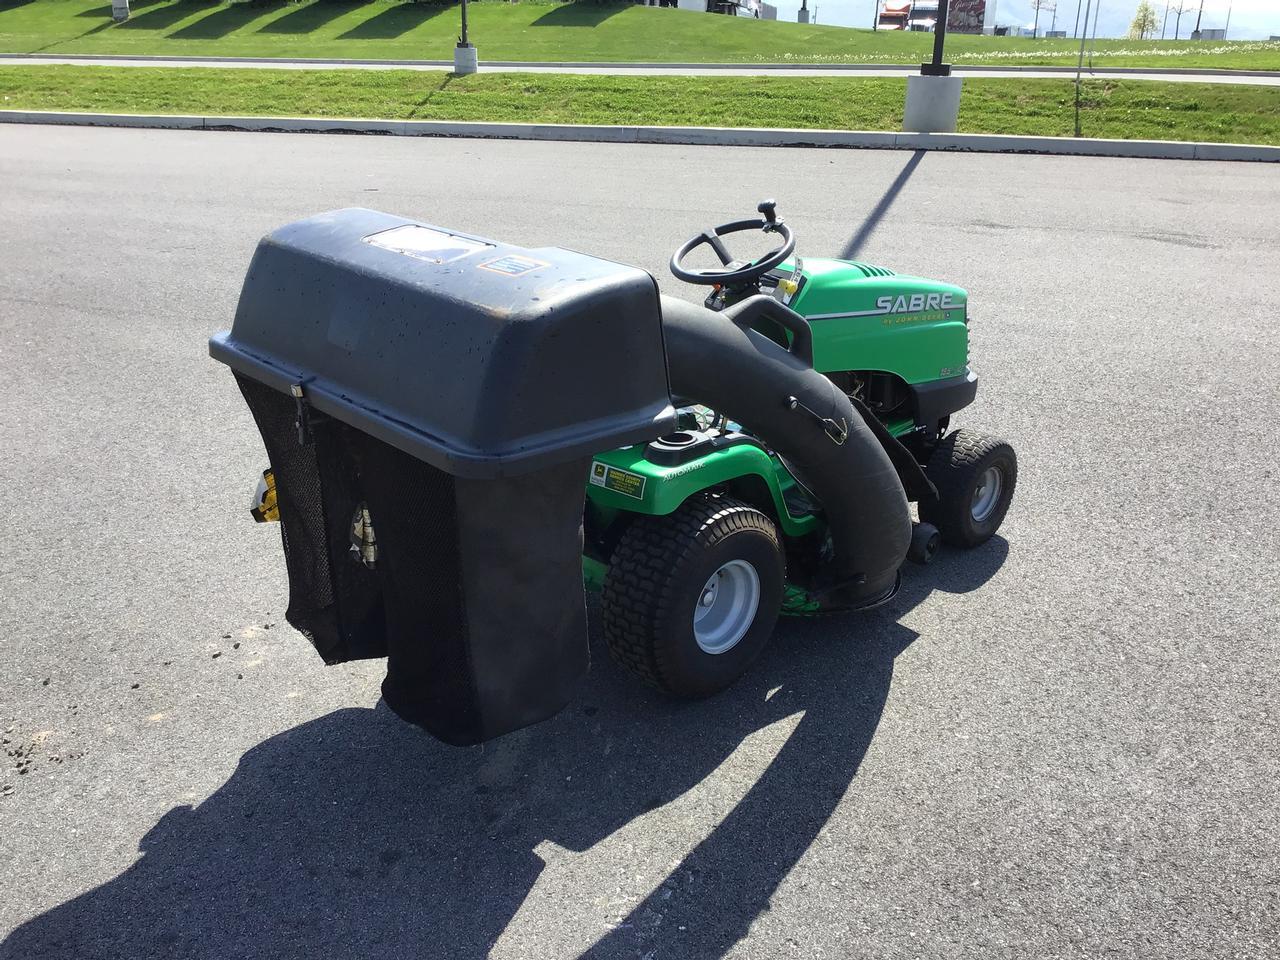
column 512, row 266
column 620, row 481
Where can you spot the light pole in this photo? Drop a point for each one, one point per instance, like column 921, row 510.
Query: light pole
column 1165, row 24
column 1080, row 63
column 1195, row 34
column 464, row 54
column 1096, row 10
column 936, row 68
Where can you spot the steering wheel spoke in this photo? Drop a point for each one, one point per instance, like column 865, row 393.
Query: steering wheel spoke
column 718, row 246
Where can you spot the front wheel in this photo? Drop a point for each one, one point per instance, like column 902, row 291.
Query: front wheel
column 691, row 598
column 975, row 476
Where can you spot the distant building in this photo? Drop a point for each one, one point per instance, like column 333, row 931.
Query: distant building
column 1055, row 34
column 963, row 16
column 894, row 15
column 966, row 16
column 1214, row 34
column 734, row 8
column 924, row 16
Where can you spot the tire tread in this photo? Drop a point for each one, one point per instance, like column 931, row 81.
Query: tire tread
column 950, row 467
column 639, row 589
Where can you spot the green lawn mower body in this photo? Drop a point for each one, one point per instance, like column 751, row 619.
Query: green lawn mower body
column 685, row 608
column 898, row 343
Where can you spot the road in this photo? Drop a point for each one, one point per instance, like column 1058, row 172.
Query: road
column 1254, row 78
column 1063, row 744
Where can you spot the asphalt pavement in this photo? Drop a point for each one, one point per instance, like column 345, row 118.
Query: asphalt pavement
column 1062, row 744
column 1246, row 77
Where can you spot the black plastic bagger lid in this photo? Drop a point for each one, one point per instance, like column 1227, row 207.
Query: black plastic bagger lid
column 480, row 358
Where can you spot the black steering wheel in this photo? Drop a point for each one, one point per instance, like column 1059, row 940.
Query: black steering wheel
column 736, row 272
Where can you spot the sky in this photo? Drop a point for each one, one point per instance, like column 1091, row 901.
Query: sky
column 1250, row 19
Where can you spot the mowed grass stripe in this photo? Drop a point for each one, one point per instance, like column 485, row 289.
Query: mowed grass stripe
column 1125, row 109
column 540, row 30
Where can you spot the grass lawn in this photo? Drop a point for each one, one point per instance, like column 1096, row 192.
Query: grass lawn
column 538, row 30
column 1133, row 109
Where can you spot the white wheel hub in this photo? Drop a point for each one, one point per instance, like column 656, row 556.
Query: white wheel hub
column 726, row 607
column 987, row 494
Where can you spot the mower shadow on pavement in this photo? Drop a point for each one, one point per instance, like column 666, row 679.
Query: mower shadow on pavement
column 872, row 220
column 356, row 835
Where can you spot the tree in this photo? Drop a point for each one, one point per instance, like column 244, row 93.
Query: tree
column 1144, row 21
column 1039, row 5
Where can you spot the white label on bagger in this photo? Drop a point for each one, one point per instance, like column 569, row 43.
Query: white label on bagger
column 423, row 243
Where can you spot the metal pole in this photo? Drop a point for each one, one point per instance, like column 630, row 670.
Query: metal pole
column 1164, row 26
column 1080, row 64
column 1053, row 24
column 464, row 23
column 936, row 68
column 1096, row 10
column 1195, row 34
column 1076, row 29
column 875, row 14
column 1228, row 26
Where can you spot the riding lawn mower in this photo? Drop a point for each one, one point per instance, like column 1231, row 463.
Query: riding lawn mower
column 461, row 432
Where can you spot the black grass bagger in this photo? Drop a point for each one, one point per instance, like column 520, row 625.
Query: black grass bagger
column 429, row 429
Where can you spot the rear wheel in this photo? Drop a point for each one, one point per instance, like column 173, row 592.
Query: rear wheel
column 975, row 476
column 691, row 598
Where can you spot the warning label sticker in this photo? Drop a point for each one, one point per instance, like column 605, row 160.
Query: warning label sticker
column 512, row 265
column 620, row 481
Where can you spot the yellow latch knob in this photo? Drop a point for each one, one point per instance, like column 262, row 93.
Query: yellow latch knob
column 265, row 507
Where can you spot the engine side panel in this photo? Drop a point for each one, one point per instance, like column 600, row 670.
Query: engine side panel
column 864, row 318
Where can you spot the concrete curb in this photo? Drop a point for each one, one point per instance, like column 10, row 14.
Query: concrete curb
column 716, row 136
column 646, row 64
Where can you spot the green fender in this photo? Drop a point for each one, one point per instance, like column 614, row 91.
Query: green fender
column 625, row 480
